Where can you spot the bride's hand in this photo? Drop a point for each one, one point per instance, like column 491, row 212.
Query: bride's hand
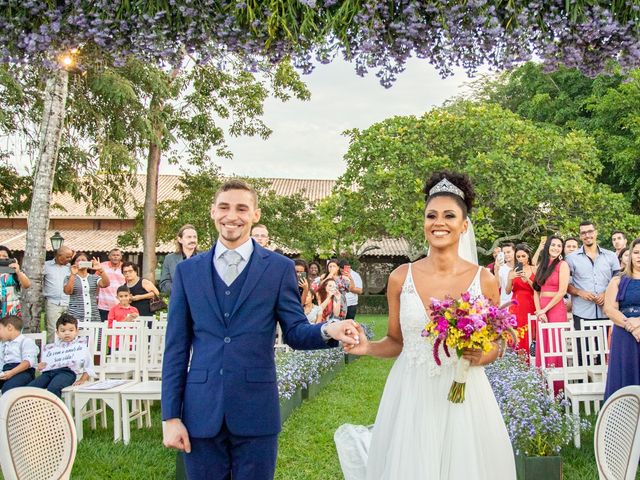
column 361, row 348
column 477, row 357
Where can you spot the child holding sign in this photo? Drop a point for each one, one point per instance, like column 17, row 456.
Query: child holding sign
column 18, row 354
column 63, row 360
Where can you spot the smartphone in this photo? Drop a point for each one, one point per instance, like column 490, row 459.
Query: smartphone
column 4, row 265
column 518, row 267
column 302, row 276
column 85, row 264
column 500, row 257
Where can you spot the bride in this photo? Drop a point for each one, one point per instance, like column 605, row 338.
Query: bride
column 418, row 433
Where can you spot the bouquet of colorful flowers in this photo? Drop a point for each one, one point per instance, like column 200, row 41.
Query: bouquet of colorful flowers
column 466, row 323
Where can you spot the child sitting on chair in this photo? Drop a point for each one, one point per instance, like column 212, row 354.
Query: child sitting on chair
column 123, row 311
column 18, row 354
column 63, row 360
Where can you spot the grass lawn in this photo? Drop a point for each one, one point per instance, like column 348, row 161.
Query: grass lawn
column 306, row 443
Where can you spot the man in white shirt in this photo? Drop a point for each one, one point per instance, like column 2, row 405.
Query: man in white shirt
column 506, row 262
column 55, row 300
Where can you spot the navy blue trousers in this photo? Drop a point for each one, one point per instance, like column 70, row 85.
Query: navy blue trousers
column 22, row 379
column 55, row 380
column 227, row 456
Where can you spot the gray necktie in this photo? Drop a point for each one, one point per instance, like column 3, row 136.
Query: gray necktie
column 232, row 259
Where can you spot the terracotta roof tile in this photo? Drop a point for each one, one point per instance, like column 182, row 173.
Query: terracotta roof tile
column 89, row 240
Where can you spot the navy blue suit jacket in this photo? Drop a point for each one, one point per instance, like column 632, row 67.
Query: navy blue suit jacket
column 232, row 376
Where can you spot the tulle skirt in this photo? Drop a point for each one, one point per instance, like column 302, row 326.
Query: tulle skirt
column 419, row 434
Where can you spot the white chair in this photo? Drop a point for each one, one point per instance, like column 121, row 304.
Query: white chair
column 617, row 435
column 41, row 340
column 163, row 316
column 153, row 339
column 280, row 345
column 120, row 352
column 596, row 372
column 591, row 350
column 141, row 395
column 37, row 435
column 549, row 341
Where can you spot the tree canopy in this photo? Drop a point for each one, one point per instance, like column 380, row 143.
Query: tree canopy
column 607, row 107
column 529, row 179
column 375, row 35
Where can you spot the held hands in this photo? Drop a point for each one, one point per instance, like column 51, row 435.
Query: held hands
column 346, row 331
column 541, row 316
column 362, row 347
column 599, row 299
column 41, row 366
column 477, row 357
column 588, row 296
column 175, row 435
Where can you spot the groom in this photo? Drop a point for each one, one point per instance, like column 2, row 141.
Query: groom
column 221, row 405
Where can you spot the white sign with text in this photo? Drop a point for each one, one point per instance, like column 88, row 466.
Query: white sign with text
column 60, row 355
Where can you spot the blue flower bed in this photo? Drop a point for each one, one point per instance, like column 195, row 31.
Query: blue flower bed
column 299, row 369
column 537, row 425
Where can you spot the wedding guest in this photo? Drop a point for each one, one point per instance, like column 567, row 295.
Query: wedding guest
column 18, row 354
column 314, row 271
column 622, row 306
column 10, row 285
column 355, row 288
column 330, row 301
column 82, row 287
column 506, row 263
column 186, row 247
column 142, row 290
column 571, row 244
column 123, row 311
column 260, row 234
column 56, row 302
column 342, row 284
column 550, row 286
column 592, row 268
column 619, row 241
column 64, row 375
column 302, row 273
column 623, row 258
column 312, row 311
column 520, row 285
column 491, row 266
column 107, row 295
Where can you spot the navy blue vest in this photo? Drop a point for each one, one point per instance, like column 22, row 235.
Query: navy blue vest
column 227, row 296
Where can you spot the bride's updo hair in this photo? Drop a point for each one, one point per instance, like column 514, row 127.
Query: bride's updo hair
column 460, row 180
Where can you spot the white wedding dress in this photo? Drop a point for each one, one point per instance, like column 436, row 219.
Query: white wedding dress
column 418, row 433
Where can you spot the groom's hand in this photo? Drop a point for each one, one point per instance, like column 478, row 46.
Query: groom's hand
column 345, row 331
column 175, row 435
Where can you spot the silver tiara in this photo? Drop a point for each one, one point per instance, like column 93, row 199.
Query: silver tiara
column 446, row 186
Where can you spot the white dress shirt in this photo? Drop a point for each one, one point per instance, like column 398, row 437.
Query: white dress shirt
column 17, row 350
column 504, row 278
column 245, row 250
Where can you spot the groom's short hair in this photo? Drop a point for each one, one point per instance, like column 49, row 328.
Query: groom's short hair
column 236, row 184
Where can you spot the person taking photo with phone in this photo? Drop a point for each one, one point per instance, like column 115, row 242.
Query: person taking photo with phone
column 11, row 282
column 355, row 288
column 520, row 286
column 82, row 287
column 302, row 274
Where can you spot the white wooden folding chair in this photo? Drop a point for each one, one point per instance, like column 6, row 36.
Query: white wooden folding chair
column 591, row 352
column 549, row 341
column 617, row 435
column 596, row 372
column 153, row 339
column 40, row 338
column 120, row 352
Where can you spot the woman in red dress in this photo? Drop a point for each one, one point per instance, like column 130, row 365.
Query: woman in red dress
column 520, row 282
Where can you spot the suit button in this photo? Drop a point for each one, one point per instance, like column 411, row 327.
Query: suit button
column 221, row 371
column 227, row 340
column 227, row 292
column 226, row 315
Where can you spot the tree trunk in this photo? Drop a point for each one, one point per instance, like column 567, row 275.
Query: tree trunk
column 55, row 98
column 149, row 232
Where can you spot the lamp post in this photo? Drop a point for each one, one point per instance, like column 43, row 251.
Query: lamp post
column 56, row 241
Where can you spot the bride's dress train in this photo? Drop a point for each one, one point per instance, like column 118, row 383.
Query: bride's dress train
column 418, row 433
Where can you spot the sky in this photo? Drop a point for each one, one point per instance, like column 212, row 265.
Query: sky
column 307, row 140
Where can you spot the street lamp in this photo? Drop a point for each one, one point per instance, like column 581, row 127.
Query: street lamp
column 56, row 241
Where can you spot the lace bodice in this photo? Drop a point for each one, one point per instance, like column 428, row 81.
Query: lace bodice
column 413, row 318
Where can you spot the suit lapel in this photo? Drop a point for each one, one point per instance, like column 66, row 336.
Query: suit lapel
column 256, row 267
column 207, row 286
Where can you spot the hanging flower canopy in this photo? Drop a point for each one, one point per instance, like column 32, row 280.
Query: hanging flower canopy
column 373, row 34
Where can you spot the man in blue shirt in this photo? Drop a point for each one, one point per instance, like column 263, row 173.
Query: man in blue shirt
column 592, row 268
